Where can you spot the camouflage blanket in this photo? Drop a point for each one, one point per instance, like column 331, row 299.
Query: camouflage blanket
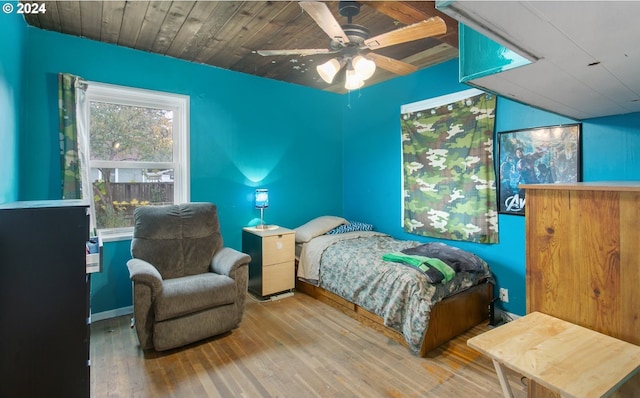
column 401, row 296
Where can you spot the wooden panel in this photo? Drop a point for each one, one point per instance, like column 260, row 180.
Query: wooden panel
column 49, row 20
column 254, row 16
column 91, row 20
column 582, row 259
column 630, row 269
column 574, row 269
column 546, row 225
column 410, row 12
column 278, row 248
column 227, row 34
column 218, row 17
column 536, row 390
column 618, row 186
column 172, row 23
column 326, row 297
column 132, row 20
column 277, row 278
column 68, row 12
column 112, row 12
column 151, row 24
column 189, row 33
column 627, row 390
column 461, row 311
column 630, row 389
column 277, row 21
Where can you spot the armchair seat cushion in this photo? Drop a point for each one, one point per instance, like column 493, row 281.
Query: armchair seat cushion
column 189, row 294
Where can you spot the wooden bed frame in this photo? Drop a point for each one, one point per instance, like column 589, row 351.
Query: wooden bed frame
column 449, row 318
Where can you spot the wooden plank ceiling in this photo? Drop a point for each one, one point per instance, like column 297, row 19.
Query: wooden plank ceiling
column 226, row 34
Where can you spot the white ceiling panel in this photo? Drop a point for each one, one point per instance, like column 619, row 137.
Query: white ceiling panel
column 588, row 53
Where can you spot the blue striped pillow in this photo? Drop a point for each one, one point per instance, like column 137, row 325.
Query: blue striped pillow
column 352, row 226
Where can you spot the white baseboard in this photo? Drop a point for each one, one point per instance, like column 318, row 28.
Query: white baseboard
column 111, row 313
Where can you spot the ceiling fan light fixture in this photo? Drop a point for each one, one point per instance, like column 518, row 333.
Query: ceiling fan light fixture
column 353, row 80
column 329, row 69
column 364, row 67
column 350, row 41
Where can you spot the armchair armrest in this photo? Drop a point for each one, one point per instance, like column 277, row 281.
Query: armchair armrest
column 143, row 272
column 147, row 285
column 227, row 260
column 235, row 265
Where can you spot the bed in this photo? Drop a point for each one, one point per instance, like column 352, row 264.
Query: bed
column 419, row 294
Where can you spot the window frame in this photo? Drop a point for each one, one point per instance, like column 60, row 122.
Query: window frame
column 130, row 96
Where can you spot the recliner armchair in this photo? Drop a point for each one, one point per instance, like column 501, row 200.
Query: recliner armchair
column 186, row 285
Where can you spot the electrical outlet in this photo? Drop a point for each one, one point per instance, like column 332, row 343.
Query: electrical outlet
column 504, row 295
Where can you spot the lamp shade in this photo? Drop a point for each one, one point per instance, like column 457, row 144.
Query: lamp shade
column 262, row 198
column 328, row 70
column 364, row 67
column 353, row 80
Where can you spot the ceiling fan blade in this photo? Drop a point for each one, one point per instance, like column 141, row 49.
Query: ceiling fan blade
column 392, row 65
column 431, row 27
column 301, row 52
column 325, row 20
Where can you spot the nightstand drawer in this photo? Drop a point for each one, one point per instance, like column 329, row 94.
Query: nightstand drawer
column 278, row 248
column 277, row 278
column 272, row 252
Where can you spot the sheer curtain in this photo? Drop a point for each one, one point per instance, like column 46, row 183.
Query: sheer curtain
column 73, row 112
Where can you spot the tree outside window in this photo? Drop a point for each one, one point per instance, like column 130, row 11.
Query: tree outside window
column 136, row 156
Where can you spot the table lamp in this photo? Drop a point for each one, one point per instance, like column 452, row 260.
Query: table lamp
column 262, row 202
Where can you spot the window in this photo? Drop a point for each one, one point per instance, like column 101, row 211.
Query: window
column 138, row 153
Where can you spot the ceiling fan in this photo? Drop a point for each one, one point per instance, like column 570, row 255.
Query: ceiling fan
column 353, row 46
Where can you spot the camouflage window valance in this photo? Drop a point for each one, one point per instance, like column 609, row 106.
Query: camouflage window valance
column 449, row 180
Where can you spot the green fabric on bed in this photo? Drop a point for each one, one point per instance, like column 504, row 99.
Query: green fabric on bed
column 422, row 263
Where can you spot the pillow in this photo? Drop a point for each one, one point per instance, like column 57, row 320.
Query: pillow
column 316, row 227
column 352, row 226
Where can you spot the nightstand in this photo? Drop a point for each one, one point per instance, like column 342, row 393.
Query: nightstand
column 272, row 259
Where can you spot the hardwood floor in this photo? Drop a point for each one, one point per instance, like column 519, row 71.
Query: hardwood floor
column 294, row 347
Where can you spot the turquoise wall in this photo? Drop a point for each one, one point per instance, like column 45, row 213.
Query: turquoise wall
column 12, row 33
column 317, row 152
column 372, row 174
column 111, row 288
column 245, row 132
column 611, row 148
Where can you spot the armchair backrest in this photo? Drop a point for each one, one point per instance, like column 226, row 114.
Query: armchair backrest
column 178, row 240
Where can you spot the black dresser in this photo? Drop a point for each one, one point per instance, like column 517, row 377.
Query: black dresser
column 44, row 299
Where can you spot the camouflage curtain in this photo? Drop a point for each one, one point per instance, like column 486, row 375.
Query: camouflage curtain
column 70, row 90
column 449, row 177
